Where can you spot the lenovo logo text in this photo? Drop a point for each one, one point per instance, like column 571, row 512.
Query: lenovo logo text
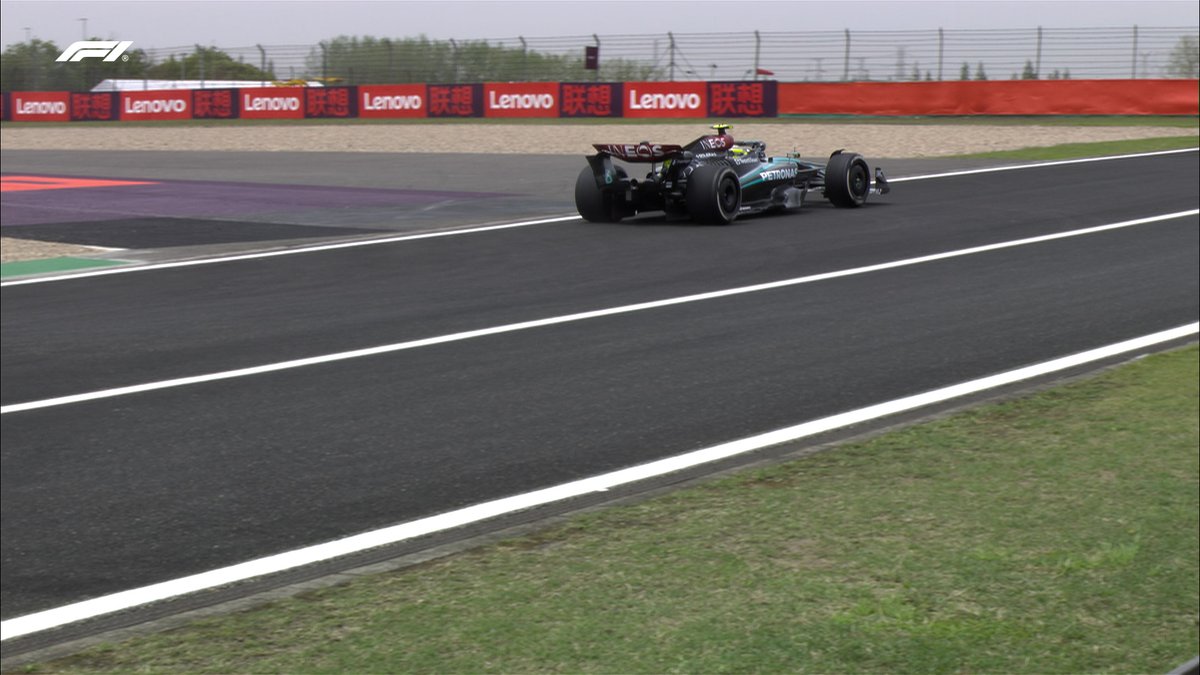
column 270, row 103
column 672, row 101
column 412, row 102
column 156, row 106
column 40, row 107
column 520, row 101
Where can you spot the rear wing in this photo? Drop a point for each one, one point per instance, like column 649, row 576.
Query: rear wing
column 639, row 152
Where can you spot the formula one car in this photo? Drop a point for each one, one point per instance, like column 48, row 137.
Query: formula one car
column 714, row 179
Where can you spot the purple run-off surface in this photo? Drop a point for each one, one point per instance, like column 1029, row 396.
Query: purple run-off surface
column 204, row 199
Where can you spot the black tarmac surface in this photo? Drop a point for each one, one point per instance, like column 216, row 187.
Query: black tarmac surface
column 118, row 493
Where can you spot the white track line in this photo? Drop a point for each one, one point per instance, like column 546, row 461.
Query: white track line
column 282, row 252
column 123, row 600
column 1040, row 165
column 488, row 228
column 568, row 318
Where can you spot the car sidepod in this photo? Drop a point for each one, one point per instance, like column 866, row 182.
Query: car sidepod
column 774, row 183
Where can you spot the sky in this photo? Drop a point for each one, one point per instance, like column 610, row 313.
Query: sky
column 227, row 23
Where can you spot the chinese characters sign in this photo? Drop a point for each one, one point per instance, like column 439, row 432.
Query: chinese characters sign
column 491, row 99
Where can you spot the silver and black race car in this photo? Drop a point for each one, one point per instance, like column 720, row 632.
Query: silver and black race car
column 714, row 179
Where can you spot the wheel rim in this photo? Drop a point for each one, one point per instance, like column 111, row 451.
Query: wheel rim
column 858, row 180
column 727, row 195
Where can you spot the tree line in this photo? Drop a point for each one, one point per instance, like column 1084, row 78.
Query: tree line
column 345, row 59
column 31, row 65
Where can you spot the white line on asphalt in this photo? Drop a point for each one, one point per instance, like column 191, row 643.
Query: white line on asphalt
column 568, row 318
column 1039, row 165
column 87, row 609
column 282, row 252
column 488, row 228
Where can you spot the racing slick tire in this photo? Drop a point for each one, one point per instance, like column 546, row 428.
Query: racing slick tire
column 847, row 180
column 714, row 194
column 594, row 204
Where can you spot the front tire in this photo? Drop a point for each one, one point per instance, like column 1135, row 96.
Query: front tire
column 847, row 180
column 714, row 194
column 594, row 204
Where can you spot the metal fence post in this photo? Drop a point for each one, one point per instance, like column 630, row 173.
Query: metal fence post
column 524, row 58
column 391, row 50
column 671, row 47
column 1135, row 47
column 324, row 62
column 596, row 73
column 1037, row 67
column 757, row 52
column 941, row 52
column 846, row 61
column 262, row 60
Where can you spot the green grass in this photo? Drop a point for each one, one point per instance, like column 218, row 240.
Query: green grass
column 1095, row 149
column 42, row 265
column 1051, row 533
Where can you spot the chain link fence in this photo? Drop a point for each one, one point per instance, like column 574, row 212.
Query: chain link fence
column 819, row 56
column 1134, row 52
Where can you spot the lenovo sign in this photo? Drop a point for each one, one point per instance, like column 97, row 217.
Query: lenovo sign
column 535, row 99
column 156, row 105
column 665, row 99
column 391, row 100
column 272, row 103
column 40, row 106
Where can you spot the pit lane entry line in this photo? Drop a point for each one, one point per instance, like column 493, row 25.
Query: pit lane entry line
column 115, row 602
column 543, row 221
column 569, row 318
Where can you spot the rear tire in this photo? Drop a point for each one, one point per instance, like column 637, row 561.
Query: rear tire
column 594, row 204
column 714, row 194
column 847, row 180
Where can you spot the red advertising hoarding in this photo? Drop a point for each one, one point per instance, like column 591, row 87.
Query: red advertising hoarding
column 520, row 99
column 391, row 100
column 330, row 102
column 92, row 106
column 217, row 104
column 40, row 106
column 743, row 99
column 991, row 97
column 175, row 104
column 589, row 99
column 759, row 98
column 455, row 100
column 666, row 99
column 272, row 103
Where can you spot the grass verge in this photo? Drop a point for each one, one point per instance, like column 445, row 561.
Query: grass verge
column 1057, row 532
column 44, row 265
column 1093, row 149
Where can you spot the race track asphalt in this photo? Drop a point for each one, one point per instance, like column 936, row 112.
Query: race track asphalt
column 106, row 495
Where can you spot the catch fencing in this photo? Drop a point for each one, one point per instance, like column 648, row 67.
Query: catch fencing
column 940, row 55
column 1133, row 52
